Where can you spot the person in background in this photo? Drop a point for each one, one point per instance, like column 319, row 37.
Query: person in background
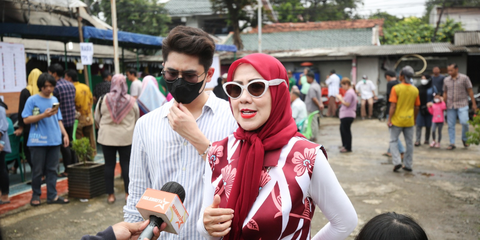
column 45, row 138
column 83, row 107
column 116, row 115
column 136, row 86
column 424, row 118
column 291, row 80
column 24, row 129
column 170, row 143
column 303, row 84
column 436, row 109
column 313, row 101
column 103, row 87
column 391, row 226
column 437, row 79
column 218, row 90
column 391, row 78
column 264, row 180
column 65, row 92
column 333, row 83
column 404, row 104
column 299, row 109
column 151, row 98
column 4, row 149
column 456, row 89
column 366, row 90
column 347, row 114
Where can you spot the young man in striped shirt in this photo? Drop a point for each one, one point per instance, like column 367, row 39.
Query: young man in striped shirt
column 170, row 143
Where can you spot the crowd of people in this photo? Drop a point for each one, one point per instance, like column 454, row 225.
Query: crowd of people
column 246, row 168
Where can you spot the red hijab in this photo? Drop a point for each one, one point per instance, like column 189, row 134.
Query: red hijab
column 119, row 103
column 273, row 135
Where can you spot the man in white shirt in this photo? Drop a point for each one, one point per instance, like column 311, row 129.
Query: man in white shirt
column 366, row 90
column 299, row 109
column 136, row 86
column 333, row 83
column 170, row 143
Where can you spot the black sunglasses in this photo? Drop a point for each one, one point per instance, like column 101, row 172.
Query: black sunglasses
column 189, row 77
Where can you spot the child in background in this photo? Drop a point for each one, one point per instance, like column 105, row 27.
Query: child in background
column 436, row 109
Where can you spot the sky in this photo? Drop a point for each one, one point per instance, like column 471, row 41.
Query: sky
column 400, row 8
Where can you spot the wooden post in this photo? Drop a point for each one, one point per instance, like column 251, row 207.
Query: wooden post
column 80, row 33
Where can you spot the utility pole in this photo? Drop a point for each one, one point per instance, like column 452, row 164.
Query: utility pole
column 80, row 35
column 438, row 22
column 260, row 26
column 115, row 37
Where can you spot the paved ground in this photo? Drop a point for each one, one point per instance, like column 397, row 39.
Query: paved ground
column 442, row 193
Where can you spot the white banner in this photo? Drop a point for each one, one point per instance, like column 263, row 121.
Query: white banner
column 12, row 67
column 86, row 52
column 216, row 74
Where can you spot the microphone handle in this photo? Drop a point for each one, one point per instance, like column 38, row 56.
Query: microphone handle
column 148, row 231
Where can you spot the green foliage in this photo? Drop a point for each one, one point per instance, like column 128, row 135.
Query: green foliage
column 413, row 30
column 315, row 10
column 474, row 136
column 137, row 16
column 389, row 20
column 83, row 150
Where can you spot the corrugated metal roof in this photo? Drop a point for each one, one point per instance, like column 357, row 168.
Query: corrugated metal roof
column 180, row 8
column 424, row 48
column 284, row 41
column 467, row 38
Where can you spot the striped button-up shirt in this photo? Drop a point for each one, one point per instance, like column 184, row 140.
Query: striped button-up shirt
column 65, row 93
column 160, row 155
column 457, row 91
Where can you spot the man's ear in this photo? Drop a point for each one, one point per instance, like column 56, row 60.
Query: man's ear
column 210, row 74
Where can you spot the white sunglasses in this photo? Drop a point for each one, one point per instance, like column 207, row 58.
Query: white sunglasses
column 255, row 88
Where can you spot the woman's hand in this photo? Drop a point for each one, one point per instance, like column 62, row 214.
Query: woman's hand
column 217, row 221
column 18, row 132
column 66, row 141
column 50, row 112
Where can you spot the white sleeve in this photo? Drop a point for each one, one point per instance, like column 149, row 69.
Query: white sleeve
column 139, row 176
column 328, row 81
column 295, row 111
column 328, row 195
column 373, row 86
column 135, row 89
column 208, row 194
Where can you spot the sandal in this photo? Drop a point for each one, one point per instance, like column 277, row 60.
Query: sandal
column 4, row 202
column 417, row 144
column 63, row 175
column 451, row 147
column 59, row 200
column 111, row 200
column 465, row 144
column 387, row 154
column 345, row 151
column 35, row 199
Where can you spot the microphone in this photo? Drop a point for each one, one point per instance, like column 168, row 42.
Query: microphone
column 162, row 206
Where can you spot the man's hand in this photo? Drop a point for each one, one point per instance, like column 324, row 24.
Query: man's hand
column 474, row 106
column 182, row 121
column 1, row 147
column 389, row 123
column 321, row 107
column 126, row 231
column 66, row 141
column 18, row 132
column 217, row 221
column 375, row 98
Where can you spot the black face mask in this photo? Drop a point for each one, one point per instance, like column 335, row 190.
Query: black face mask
column 183, row 91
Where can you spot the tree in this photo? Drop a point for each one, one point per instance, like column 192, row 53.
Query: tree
column 315, row 10
column 389, row 20
column 138, row 16
column 236, row 13
column 414, row 30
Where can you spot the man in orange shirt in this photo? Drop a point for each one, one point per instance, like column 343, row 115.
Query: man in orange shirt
column 404, row 105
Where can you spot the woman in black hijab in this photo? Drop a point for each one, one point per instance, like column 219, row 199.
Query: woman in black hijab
column 424, row 118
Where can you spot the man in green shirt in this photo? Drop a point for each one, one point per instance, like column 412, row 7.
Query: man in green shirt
column 291, row 80
column 304, row 84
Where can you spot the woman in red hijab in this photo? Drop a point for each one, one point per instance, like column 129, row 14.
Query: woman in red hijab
column 264, row 181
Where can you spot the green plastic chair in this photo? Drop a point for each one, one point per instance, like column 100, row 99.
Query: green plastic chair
column 307, row 128
column 15, row 146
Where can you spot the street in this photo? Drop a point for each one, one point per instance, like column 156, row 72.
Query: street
column 442, row 193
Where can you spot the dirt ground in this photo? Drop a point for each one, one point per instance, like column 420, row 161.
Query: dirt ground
column 442, row 193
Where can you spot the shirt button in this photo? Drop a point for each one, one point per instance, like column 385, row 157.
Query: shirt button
column 185, row 144
column 183, row 168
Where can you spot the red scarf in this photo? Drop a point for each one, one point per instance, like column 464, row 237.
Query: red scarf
column 274, row 134
column 118, row 101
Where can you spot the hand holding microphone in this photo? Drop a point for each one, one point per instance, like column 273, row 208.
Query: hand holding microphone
column 125, row 230
column 164, row 209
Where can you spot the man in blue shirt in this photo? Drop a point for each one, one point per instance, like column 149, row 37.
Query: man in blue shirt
column 438, row 79
column 45, row 138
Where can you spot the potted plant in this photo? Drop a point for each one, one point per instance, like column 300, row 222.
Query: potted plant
column 86, row 178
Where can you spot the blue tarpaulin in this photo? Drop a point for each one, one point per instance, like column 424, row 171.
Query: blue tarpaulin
column 94, row 35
